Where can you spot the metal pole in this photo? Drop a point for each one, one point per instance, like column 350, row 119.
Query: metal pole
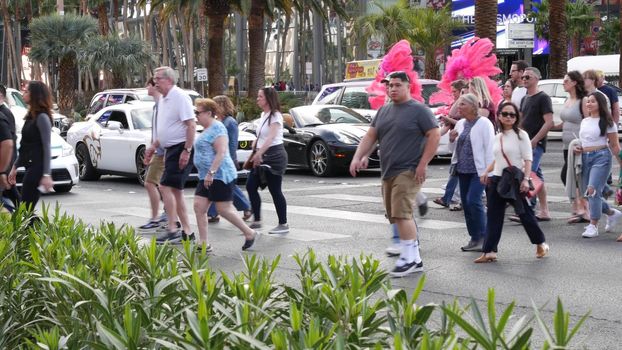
column 527, row 53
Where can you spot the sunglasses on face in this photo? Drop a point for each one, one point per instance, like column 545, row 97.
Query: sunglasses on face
column 525, row 77
column 196, row 113
column 508, row 115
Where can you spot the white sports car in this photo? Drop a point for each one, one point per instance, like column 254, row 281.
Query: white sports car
column 64, row 165
column 114, row 142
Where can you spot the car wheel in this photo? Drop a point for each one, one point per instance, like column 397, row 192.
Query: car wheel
column 87, row 171
column 320, row 159
column 141, row 168
column 62, row 188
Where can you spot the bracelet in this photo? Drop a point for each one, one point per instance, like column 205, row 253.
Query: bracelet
column 47, row 175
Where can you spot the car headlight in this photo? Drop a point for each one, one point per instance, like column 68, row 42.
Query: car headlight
column 67, row 150
column 346, row 139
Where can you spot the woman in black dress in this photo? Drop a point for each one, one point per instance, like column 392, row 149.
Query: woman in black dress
column 34, row 151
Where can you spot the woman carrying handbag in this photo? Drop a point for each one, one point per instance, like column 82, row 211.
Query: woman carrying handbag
column 511, row 171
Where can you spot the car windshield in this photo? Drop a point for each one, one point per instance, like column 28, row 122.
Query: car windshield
column 145, row 97
column 19, row 100
column 328, row 115
column 141, row 118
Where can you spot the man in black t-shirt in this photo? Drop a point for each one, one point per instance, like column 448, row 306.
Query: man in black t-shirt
column 8, row 148
column 537, row 119
column 611, row 94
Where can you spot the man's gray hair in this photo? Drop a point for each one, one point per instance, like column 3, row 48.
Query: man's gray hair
column 535, row 72
column 168, row 72
column 470, row 99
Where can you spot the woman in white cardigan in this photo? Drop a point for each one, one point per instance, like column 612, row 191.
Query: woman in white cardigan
column 472, row 141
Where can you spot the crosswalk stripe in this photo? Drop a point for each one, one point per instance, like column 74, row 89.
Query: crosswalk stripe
column 294, row 234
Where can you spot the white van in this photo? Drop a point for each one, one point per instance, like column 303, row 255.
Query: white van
column 609, row 64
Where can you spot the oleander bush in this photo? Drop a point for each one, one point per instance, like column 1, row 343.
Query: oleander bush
column 67, row 285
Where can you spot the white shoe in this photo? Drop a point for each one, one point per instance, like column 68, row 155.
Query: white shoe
column 591, row 231
column 612, row 220
column 393, row 250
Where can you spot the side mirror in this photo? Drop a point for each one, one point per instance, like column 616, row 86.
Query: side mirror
column 114, row 125
column 289, row 129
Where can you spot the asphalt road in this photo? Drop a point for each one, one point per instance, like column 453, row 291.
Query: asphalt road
column 344, row 216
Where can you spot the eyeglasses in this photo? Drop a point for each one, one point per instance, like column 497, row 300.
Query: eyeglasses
column 197, row 112
column 508, row 114
column 525, row 77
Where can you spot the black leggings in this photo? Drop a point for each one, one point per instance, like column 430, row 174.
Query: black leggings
column 30, row 192
column 274, row 186
column 565, row 167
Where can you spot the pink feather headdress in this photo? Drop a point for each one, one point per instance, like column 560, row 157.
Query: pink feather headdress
column 398, row 58
column 473, row 59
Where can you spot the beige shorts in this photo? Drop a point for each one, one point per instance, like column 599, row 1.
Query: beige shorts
column 155, row 170
column 398, row 195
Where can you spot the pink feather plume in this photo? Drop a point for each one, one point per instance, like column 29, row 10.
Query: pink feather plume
column 473, row 59
column 399, row 58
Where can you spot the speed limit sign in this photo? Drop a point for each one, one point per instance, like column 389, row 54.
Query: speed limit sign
column 201, row 74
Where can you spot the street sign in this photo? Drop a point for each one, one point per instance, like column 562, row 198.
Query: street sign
column 201, row 74
column 521, row 30
column 520, row 43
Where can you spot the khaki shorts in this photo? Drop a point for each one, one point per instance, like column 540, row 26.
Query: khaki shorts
column 155, row 170
column 398, row 195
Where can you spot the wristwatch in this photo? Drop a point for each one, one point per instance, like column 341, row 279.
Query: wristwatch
column 211, row 172
column 188, row 149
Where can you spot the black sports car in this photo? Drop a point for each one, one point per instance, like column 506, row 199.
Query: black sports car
column 322, row 138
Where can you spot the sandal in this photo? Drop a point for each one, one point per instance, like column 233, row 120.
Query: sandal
column 457, row 207
column 577, row 219
column 440, row 202
column 543, row 218
column 514, row 218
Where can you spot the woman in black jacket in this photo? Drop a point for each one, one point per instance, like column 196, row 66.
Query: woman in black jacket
column 34, row 151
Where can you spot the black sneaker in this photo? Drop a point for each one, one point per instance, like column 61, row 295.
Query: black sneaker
column 423, row 209
column 208, row 248
column 406, row 269
column 164, row 228
column 186, row 237
column 170, row 237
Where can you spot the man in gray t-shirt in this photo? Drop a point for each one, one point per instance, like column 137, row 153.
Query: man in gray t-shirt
column 408, row 137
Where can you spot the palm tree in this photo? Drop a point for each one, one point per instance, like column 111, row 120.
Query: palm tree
column 391, row 24
column 558, row 41
column 57, row 40
column 580, row 17
column 431, row 30
column 121, row 57
column 486, row 19
column 609, row 37
column 217, row 12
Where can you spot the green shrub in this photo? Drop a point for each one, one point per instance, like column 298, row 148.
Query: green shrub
column 67, row 285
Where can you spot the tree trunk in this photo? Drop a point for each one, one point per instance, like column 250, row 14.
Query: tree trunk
column 9, row 40
column 177, row 50
column 257, row 57
column 102, row 19
column 557, row 38
column 67, row 70
column 203, row 36
column 282, row 62
column 216, row 12
column 84, row 7
column 126, row 29
column 431, row 66
column 486, row 20
column 620, row 45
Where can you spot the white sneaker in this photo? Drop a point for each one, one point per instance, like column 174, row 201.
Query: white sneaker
column 591, row 231
column 393, row 250
column 612, row 220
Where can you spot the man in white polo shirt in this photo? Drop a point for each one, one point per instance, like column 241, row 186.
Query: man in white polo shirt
column 176, row 128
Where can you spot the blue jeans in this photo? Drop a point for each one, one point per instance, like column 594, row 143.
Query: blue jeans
column 594, row 173
column 535, row 169
column 471, row 190
column 452, row 183
column 239, row 202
